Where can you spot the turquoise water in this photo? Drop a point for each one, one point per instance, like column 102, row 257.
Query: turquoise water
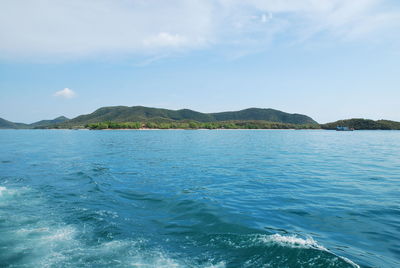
column 221, row 198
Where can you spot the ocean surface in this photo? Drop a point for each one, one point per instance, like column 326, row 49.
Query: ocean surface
column 182, row 198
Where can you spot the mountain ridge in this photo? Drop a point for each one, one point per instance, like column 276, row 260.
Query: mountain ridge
column 44, row 123
column 141, row 114
column 5, row 124
column 253, row 117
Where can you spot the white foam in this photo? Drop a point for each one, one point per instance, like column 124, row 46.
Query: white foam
column 349, row 261
column 291, row 241
column 33, row 230
column 221, row 264
column 7, row 192
column 3, row 190
column 294, row 241
column 62, row 234
column 160, row 261
column 6, row 195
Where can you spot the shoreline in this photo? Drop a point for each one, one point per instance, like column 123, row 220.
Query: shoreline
column 148, row 129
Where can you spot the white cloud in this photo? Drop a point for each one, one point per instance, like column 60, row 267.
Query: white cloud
column 165, row 40
column 66, row 93
column 76, row 28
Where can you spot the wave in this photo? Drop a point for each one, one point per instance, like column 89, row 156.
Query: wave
column 291, row 241
column 4, row 191
column 7, row 195
column 55, row 247
column 294, row 241
column 273, row 250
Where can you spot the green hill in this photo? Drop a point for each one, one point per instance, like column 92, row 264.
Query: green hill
column 4, row 124
column 146, row 114
column 46, row 123
column 270, row 115
column 246, row 124
column 364, row 124
column 137, row 116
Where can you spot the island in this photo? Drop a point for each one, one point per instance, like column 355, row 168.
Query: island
column 140, row 117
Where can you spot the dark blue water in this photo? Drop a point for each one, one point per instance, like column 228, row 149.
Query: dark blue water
column 233, row 198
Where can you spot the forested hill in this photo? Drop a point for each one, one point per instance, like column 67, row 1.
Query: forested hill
column 4, row 124
column 364, row 124
column 270, row 115
column 45, row 123
column 146, row 114
column 138, row 116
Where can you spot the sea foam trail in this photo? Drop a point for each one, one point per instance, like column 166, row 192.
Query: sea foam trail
column 46, row 241
column 49, row 242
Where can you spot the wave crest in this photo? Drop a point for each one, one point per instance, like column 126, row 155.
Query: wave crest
column 294, row 241
column 291, row 241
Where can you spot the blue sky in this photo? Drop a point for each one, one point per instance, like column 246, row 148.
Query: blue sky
column 328, row 59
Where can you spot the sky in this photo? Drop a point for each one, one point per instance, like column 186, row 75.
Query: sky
column 329, row 59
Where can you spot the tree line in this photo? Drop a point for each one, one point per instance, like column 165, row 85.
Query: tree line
column 199, row 125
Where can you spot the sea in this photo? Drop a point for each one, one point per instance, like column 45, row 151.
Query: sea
column 199, row 198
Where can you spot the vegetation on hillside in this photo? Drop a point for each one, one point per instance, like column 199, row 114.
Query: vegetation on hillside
column 122, row 117
column 47, row 123
column 5, row 124
column 270, row 115
column 199, row 125
column 145, row 114
column 364, row 124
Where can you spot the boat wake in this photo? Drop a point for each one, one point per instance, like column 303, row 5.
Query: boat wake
column 30, row 237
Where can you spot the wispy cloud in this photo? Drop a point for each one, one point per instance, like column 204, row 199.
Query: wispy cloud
column 66, row 93
column 76, row 28
column 164, row 39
